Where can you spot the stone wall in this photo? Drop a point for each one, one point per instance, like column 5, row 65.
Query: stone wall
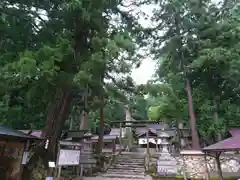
column 195, row 165
column 229, row 163
column 192, row 166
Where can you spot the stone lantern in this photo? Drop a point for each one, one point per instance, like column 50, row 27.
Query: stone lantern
column 166, row 164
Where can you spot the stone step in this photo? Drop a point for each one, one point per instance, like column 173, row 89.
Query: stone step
column 119, row 166
column 104, row 178
column 130, row 162
column 120, row 171
column 122, row 175
column 122, row 164
column 135, row 170
column 126, row 167
column 133, row 153
column 133, row 156
column 147, row 177
column 130, row 158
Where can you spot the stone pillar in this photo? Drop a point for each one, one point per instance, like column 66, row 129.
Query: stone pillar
column 156, row 141
column 180, row 125
column 194, row 164
column 128, row 130
column 182, row 139
column 120, row 136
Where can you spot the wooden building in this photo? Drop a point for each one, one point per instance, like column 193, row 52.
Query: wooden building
column 13, row 143
column 156, row 133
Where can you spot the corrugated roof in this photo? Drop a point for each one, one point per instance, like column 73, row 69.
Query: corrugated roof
column 105, row 137
column 234, row 131
column 141, row 130
column 156, row 129
column 163, row 134
column 169, row 132
column 5, row 131
column 229, row 144
column 150, row 131
column 157, row 126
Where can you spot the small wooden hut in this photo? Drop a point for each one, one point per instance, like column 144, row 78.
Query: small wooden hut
column 12, row 146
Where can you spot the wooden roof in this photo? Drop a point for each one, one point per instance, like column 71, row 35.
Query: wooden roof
column 36, row 133
column 230, row 144
column 69, row 143
column 134, row 122
column 234, row 131
column 9, row 132
column 105, row 138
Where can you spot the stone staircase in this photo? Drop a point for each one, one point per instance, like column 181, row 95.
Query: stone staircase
column 128, row 166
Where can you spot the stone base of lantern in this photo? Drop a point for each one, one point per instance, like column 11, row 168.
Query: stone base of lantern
column 194, row 165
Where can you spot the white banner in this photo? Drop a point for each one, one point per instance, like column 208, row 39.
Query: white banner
column 151, row 140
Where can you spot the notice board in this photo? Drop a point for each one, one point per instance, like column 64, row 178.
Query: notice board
column 68, row 157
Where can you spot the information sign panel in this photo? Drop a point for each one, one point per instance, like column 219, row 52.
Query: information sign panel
column 68, row 157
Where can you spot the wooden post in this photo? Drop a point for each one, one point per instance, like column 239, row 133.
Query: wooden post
column 207, row 172
column 26, row 146
column 113, row 150
column 120, row 138
column 148, row 154
column 156, row 144
column 58, row 167
column 147, row 142
column 59, row 171
column 219, row 165
column 79, row 168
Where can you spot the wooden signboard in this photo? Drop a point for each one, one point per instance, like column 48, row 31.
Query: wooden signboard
column 68, row 157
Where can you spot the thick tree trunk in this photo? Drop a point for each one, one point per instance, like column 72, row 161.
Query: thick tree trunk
column 57, row 114
column 179, row 136
column 56, row 117
column 215, row 115
column 194, row 134
column 84, row 117
column 101, row 126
